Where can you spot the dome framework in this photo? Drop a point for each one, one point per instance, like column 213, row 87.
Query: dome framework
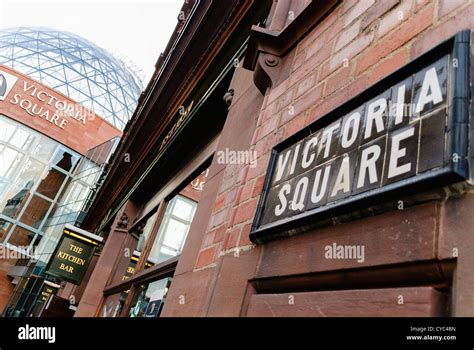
column 75, row 67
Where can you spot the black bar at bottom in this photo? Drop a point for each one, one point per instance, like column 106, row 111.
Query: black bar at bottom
column 444, row 333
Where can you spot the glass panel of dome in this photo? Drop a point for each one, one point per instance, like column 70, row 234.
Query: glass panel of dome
column 49, row 56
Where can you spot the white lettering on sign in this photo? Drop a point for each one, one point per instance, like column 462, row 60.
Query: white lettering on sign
column 367, row 164
column 39, row 103
column 397, row 152
column 378, row 143
column 62, row 109
column 349, row 133
column 375, row 115
column 430, row 90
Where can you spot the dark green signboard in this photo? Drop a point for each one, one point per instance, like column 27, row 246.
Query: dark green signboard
column 46, row 292
column 72, row 256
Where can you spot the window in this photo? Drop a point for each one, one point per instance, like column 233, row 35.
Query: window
column 113, row 304
column 74, row 196
column 150, row 298
column 173, row 230
column 34, row 170
column 142, row 281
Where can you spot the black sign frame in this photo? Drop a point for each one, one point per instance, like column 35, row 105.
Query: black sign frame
column 90, row 243
column 458, row 47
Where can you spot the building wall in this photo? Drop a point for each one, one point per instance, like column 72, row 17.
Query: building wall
column 78, row 134
column 410, row 267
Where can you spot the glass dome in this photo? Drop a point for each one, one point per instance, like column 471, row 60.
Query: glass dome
column 74, row 66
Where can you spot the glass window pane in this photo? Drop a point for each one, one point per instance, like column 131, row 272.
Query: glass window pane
column 76, row 192
column 30, row 174
column 149, row 299
column 10, row 161
column 174, row 237
column 5, row 227
column 3, row 187
column 21, row 237
column 6, row 130
column 51, row 183
column 173, row 230
column 113, row 304
column 65, row 160
column 13, row 201
column 47, row 244
column 183, row 209
column 35, row 212
column 22, row 139
column 32, row 166
column 44, row 149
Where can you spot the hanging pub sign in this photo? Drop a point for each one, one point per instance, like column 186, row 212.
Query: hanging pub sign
column 49, row 288
column 406, row 134
column 73, row 254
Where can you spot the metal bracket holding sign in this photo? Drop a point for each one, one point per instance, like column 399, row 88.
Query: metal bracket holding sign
column 406, row 134
column 73, row 254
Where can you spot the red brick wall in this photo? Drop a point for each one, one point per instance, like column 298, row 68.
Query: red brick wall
column 356, row 45
column 375, row 41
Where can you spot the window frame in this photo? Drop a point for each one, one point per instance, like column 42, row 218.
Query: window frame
column 166, row 268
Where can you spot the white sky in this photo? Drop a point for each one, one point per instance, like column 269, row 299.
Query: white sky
column 134, row 29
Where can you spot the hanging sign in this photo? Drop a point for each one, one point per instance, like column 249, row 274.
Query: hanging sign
column 73, row 254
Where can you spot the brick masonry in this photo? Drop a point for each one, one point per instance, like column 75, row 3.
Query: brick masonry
column 392, row 36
